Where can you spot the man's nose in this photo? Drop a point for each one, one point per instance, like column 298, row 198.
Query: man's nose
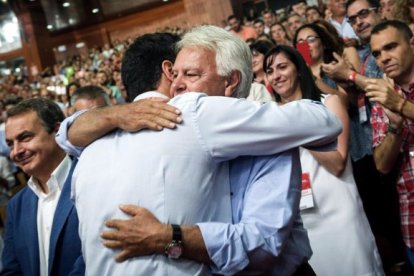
column 178, row 85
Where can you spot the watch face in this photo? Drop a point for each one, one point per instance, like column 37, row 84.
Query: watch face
column 175, row 251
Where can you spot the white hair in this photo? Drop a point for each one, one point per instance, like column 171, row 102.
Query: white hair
column 232, row 53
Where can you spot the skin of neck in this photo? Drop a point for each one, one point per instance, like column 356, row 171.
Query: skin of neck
column 44, row 176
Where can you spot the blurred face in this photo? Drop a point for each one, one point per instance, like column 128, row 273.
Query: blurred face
column 268, row 19
column 387, row 9
column 283, row 77
column 294, row 22
column 259, row 28
column 101, row 78
column 31, row 147
column 337, row 7
column 195, row 70
column 394, row 55
column 362, row 18
column 278, row 34
column 315, row 45
column 234, row 24
column 312, row 15
column 257, row 61
column 299, row 8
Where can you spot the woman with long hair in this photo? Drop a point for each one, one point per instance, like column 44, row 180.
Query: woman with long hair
column 339, row 232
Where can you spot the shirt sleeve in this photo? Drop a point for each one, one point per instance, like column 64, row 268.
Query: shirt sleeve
column 228, row 127
column 62, row 136
column 262, row 216
column 379, row 124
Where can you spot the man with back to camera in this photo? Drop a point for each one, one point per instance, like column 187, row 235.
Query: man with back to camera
column 188, row 243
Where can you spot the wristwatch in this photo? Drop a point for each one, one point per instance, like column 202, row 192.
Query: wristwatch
column 175, row 248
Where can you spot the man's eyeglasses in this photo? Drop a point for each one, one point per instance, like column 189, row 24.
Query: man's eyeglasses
column 309, row 39
column 361, row 15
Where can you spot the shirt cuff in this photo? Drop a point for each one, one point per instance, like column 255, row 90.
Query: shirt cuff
column 62, row 135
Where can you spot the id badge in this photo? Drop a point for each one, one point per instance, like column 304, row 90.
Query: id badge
column 362, row 109
column 306, row 201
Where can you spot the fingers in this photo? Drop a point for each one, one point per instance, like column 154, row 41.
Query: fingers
column 124, row 255
column 113, row 244
column 130, row 209
column 114, row 223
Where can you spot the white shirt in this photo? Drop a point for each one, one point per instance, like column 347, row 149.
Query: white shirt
column 156, row 169
column 46, row 207
column 344, row 29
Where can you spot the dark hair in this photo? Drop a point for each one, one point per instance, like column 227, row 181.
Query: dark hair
column 371, row 3
column 90, row 92
column 262, row 46
column 306, row 80
column 329, row 44
column 283, row 28
column 268, row 11
column 258, row 20
column 141, row 66
column 401, row 27
column 315, row 8
column 47, row 111
column 230, row 17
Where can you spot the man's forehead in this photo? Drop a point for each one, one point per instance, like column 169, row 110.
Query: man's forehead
column 385, row 37
column 356, row 6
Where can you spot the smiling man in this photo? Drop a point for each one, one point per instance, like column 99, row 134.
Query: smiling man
column 41, row 235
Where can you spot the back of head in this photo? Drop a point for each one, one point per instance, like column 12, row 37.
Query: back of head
column 232, row 53
column 47, row 110
column 90, row 92
column 141, row 66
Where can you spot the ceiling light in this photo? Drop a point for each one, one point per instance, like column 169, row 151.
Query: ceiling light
column 49, row 27
column 95, row 10
column 66, row 4
column 164, row 0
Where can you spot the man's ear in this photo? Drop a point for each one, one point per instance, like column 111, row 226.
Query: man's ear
column 231, row 83
column 167, row 69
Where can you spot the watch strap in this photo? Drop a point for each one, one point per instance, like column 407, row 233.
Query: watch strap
column 176, row 234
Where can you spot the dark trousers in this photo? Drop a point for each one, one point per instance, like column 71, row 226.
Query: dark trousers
column 304, row 270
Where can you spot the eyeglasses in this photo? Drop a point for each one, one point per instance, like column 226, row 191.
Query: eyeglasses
column 309, row 39
column 361, row 15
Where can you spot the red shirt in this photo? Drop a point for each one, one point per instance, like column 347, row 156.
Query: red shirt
column 405, row 181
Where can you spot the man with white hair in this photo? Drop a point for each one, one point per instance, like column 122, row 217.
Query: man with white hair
column 182, row 177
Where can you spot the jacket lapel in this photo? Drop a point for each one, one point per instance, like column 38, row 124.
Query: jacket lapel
column 63, row 209
column 30, row 232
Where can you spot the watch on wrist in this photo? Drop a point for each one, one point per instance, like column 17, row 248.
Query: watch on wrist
column 174, row 249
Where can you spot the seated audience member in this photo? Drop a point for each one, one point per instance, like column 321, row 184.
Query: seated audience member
column 269, row 18
column 339, row 21
column 219, row 244
column 334, row 216
column 259, row 26
column 41, row 232
column 387, row 9
column 279, row 34
column 294, row 22
column 312, row 14
column 244, row 32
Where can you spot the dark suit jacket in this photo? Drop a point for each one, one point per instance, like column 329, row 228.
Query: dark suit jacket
column 21, row 249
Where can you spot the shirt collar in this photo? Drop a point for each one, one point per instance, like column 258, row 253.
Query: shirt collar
column 56, row 181
column 150, row 94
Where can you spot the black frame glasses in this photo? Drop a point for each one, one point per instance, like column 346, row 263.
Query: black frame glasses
column 361, row 15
